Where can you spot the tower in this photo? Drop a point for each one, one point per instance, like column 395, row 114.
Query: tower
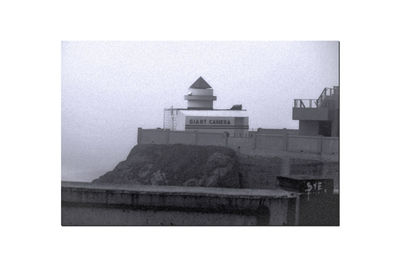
column 200, row 96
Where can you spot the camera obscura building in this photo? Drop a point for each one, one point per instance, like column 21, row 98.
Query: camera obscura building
column 201, row 116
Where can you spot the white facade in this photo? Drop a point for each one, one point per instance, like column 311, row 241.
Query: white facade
column 234, row 122
column 200, row 115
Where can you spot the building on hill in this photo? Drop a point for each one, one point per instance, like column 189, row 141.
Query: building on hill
column 201, row 124
column 318, row 116
column 201, row 116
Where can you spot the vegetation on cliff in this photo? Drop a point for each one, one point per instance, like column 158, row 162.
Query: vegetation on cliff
column 208, row 166
column 177, row 165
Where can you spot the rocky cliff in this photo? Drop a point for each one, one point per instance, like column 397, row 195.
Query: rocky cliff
column 208, row 166
column 177, row 165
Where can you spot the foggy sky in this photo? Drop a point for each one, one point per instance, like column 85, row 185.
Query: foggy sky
column 109, row 89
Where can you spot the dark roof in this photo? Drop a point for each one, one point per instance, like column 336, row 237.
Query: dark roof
column 200, row 83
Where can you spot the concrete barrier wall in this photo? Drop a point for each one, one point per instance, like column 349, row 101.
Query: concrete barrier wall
column 84, row 215
column 181, row 137
column 95, row 204
column 242, row 144
column 277, row 131
column 152, row 136
column 218, row 139
column 330, row 145
column 262, row 142
column 304, row 144
column 271, row 142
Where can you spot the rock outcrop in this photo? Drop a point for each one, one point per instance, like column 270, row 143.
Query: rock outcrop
column 208, row 166
column 177, row 165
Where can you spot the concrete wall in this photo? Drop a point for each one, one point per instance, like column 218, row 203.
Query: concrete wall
column 84, row 215
column 308, row 128
column 155, row 136
column 258, row 142
column 279, row 131
column 320, row 114
column 271, row 142
column 241, row 144
column 304, row 144
column 93, row 204
column 181, row 137
column 330, row 145
column 335, row 123
column 217, row 139
column 180, row 121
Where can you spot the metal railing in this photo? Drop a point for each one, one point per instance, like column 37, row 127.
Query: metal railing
column 315, row 103
column 305, row 103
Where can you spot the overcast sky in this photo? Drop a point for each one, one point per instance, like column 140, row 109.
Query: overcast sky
column 109, row 89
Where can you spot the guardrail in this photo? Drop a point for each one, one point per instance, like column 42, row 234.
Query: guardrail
column 315, row 103
column 305, row 103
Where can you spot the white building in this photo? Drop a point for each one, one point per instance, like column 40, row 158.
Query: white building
column 201, row 116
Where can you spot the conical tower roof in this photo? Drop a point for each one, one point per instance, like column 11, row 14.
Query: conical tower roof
column 200, row 83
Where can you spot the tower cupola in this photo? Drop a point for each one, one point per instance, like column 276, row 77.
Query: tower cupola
column 200, row 96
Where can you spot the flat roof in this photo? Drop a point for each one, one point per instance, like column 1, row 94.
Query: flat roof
column 221, row 113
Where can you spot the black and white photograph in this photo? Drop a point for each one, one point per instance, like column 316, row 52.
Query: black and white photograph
column 200, row 133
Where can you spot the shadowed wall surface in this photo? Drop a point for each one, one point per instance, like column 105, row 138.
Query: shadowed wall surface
column 98, row 204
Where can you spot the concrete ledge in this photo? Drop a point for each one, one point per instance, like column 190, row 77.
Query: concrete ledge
column 317, row 114
column 267, row 207
column 274, row 144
